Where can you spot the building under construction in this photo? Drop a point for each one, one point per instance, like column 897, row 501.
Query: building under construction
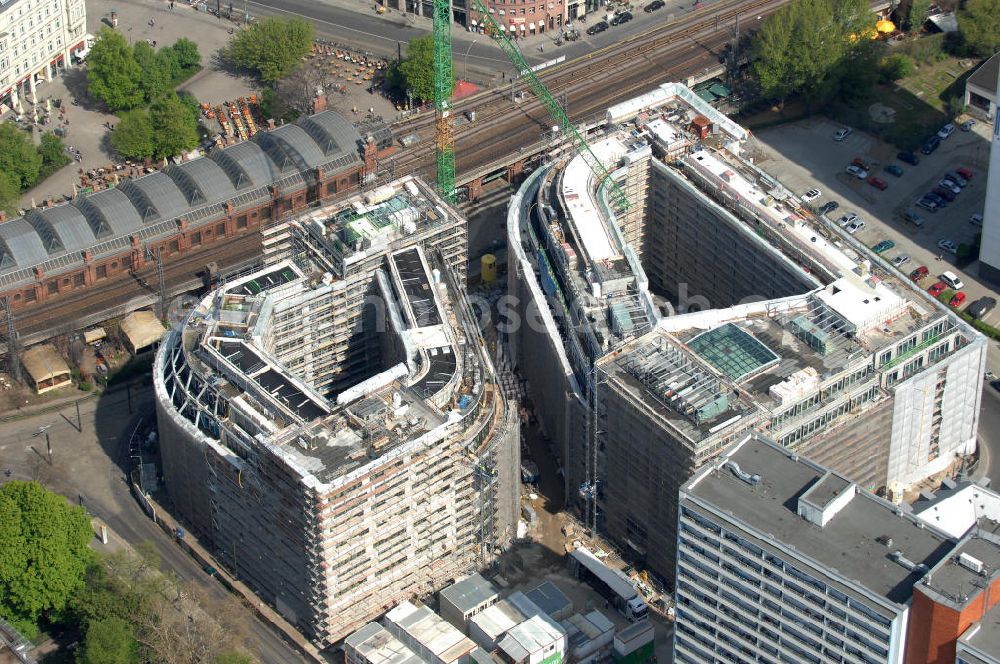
column 717, row 304
column 331, row 424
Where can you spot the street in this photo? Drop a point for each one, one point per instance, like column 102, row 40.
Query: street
column 88, row 466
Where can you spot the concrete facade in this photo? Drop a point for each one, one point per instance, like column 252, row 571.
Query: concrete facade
column 989, row 252
column 331, row 426
column 38, row 38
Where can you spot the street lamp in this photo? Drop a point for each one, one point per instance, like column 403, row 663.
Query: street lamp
column 469, row 50
column 44, row 431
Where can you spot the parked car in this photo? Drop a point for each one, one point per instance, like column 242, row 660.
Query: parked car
column 861, row 162
column 900, row 260
column 952, row 280
column 619, row 19
column 811, row 195
column 847, row 219
column 937, row 198
column 967, row 125
column 829, row 207
column 912, row 217
column 964, row 172
column 857, row 172
column 945, row 193
column 976, row 219
column 957, row 300
column 949, row 246
column 957, row 179
column 855, row 226
column 878, row 183
column 919, row 273
column 883, row 246
column 946, row 131
column 654, row 5
column 930, row 145
column 841, row 134
column 981, row 307
column 937, row 288
column 948, row 184
column 928, row 204
column 908, row 158
column 893, row 169
column 600, row 26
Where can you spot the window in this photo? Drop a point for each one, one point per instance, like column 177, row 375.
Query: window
column 114, row 265
column 102, row 271
column 241, row 221
column 265, row 213
column 174, row 246
column 29, row 295
column 78, row 279
column 196, row 239
column 52, row 287
column 220, row 230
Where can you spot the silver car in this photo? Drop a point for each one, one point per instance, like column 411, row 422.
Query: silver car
column 900, row 260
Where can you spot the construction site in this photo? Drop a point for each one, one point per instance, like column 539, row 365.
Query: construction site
column 331, row 423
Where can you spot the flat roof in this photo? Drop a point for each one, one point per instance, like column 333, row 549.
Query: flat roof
column 581, row 206
column 378, row 646
column 983, row 639
column 431, row 631
column 498, row 619
column 469, row 593
column 850, row 544
column 532, row 635
column 733, row 351
column 549, row 598
column 953, row 583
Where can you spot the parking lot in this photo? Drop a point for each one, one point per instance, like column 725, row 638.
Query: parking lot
column 805, row 156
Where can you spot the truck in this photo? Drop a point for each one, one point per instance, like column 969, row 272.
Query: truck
column 634, row 644
column 612, row 584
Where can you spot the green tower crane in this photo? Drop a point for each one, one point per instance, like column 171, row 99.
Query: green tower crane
column 444, row 85
column 569, row 130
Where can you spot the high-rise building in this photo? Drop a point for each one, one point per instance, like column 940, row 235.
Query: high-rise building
column 38, row 39
column 717, row 305
column 330, row 424
column 989, row 251
column 782, row 560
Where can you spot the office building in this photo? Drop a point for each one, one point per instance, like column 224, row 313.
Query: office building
column 38, row 39
column 330, row 425
column 716, row 305
column 989, row 250
column 781, row 559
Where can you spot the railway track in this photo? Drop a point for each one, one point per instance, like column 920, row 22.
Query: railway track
column 668, row 52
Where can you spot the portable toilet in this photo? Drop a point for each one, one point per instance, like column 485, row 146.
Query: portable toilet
column 488, row 268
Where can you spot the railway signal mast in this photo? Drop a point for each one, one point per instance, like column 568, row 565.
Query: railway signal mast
column 555, row 109
column 444, row 85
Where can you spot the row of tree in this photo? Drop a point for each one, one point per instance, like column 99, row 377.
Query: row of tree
column 126, row 610
column 23, row 164
column 125, row 77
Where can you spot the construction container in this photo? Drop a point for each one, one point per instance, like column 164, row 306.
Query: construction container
column 634, row 644
column 488, row 268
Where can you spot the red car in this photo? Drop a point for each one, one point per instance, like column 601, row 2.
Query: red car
column 878, row 183
column 964, row 172
column 919, row 273
column 937, row 288
column 862, row 163
column 957, row 300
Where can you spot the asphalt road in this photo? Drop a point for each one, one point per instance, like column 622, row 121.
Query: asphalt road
column 356, row 25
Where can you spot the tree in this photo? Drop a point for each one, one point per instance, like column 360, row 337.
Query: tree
column 916, row 15
column 133, row 135
column 10, row 192
column 417, row 68
column 186, row 54
column 805, row 47
column 979, row 23
column 18, row 157
column 272, row 47
column 44, row 552
column 156, row 70
column 175, row 129
column 109, row 641
column 896, row 67
column 53, row 154
column 113, row 74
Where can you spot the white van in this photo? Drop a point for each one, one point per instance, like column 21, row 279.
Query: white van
column 952, row 280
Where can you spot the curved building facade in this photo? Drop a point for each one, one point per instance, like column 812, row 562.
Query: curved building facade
column 717, row 305
column 331, row 424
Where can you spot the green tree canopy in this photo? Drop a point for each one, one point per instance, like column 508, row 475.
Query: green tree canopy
column 271, row 48
column 175, row 127
column 53, row 154
column 186, row 54
column 109, row 641
column 18, row 157
column 979, row 22
column 10, row 193
column 44, row 552
column 156, row 70
column 417, row 68
column 133, row 135
column 112, row 72
column 801, row 47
